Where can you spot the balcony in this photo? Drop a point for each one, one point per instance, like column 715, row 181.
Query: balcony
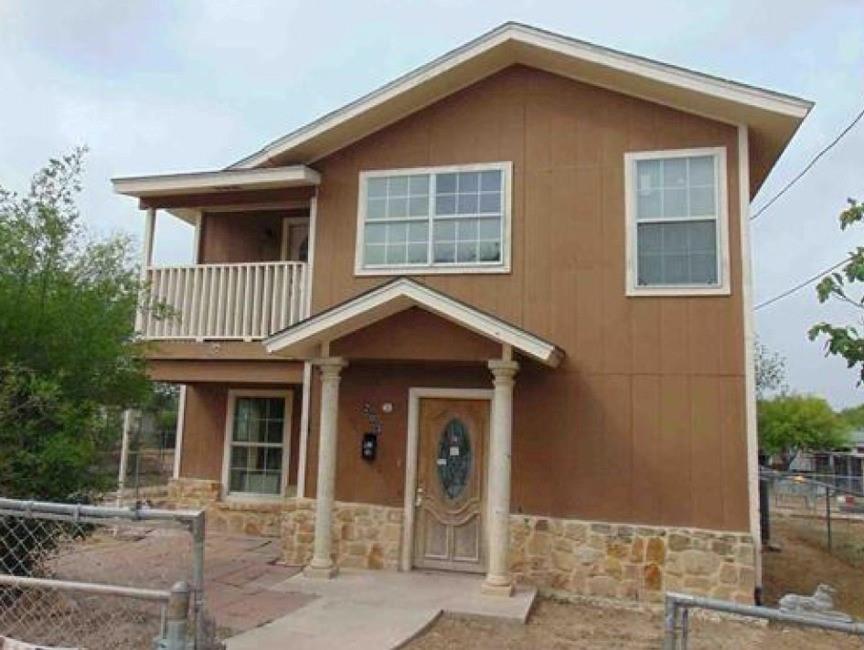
column 245, row 301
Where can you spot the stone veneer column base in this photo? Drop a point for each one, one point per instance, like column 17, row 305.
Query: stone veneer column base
column 631, row 562
column 320, row 573
column 504, row 591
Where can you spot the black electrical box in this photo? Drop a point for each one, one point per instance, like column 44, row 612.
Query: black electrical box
column 369, row 446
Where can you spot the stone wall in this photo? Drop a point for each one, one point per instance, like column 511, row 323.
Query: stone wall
column 193, row 493
column 630, row 562
column 243, row 517
column 364, row 536
column 566, row 555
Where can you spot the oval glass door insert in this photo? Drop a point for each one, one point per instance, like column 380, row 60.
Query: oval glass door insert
column 454, row 458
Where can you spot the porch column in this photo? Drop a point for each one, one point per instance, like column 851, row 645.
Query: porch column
column 498, row 580
column 322, row 565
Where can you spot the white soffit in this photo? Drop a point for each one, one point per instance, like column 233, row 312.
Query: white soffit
column 217, row 181
column 773, row 116
column 303, row 339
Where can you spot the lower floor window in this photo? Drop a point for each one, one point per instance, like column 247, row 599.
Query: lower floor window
column 257, row 450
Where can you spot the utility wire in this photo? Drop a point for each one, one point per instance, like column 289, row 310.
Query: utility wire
column 809, row 166
column 801, row 285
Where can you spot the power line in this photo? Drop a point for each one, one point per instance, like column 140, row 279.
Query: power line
column 800, row 285
column 809, row 166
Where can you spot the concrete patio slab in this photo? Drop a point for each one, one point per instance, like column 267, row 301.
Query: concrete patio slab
column 376, row 610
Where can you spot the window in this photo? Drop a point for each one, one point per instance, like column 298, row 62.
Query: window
column 676, row 222
column 256, row 443
column 446, row 219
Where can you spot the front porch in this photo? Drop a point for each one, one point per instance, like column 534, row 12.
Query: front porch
column 455, row 484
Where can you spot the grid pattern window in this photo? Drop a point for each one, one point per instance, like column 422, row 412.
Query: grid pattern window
column 257, row 445
column 441, row 218
column 677, row 206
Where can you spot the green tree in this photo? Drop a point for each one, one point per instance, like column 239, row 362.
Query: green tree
column 68, row 353
column 854, row 417
column 792, row 423
column 845, row 340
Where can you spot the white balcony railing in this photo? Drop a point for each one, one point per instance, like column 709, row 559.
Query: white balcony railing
column 224, row 301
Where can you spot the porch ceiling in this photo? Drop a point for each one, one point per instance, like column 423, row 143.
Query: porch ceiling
column 304, row 339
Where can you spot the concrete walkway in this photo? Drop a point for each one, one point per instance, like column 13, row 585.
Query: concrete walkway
column 376, row 610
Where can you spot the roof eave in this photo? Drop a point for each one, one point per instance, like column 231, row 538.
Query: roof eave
column 216, row 181
column 516, row 42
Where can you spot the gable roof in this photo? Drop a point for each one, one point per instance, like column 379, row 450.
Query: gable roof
column 772, row 117
column 304, row 338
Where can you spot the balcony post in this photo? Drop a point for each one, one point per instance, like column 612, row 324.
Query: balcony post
column 146, row 260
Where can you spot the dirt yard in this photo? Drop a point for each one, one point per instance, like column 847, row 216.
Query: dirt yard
column 799, row 567
column 803, row 562
column 556, row 625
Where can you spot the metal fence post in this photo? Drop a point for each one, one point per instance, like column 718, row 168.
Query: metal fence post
column 198, row 533
column 176, row 617
column 828, row 515
column 670, row 622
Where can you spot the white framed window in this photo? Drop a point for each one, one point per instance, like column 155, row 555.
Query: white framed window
column 453, row 219
column 257, row 443
column 676, row 208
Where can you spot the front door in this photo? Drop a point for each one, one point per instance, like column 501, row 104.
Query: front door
column 450, row 484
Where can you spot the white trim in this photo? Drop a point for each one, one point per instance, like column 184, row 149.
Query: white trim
column 512, row 39
column 305, row 402
column 406, row 559
column 431, row 268
column 400, row 294
column 217, row 181
column 196, row 240
column 146, row 261
column 723, row 287
column 287, row 244
column 178, row 435
column 749, row 342
column 233, row 394
column 310, row 258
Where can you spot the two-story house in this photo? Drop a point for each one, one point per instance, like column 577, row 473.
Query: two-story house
column 495, row 316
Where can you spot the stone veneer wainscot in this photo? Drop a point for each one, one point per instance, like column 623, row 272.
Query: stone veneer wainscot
column 558, row 555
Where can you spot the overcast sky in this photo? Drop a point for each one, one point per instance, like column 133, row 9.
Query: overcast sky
column 163, row 86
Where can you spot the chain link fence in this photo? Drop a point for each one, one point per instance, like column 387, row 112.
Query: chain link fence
column 822, row 508
column 100, row 578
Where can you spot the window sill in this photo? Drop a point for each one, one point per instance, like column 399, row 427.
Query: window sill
column 680, row 292
column 250, row 499
column 433, row 270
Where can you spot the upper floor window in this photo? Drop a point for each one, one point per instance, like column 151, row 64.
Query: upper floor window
column 436, row 220
column 677, row 222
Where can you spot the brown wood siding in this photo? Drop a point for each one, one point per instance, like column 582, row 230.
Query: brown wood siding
column 229, row 237
column 415, row 334
column 227, row 371
column 204, row 430
column 644, row 420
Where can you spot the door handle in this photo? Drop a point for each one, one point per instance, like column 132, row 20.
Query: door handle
column 418, row 500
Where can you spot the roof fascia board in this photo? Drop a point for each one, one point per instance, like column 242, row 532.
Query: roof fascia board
column 666, row 73
column 216, row 180
column 430, row 299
